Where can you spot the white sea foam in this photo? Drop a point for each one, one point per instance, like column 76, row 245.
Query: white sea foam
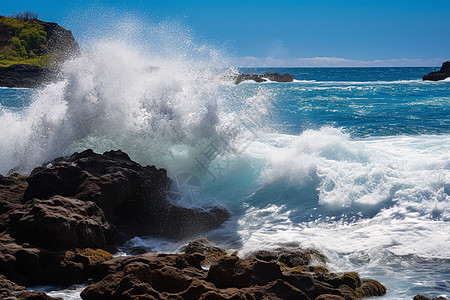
column 401, row 183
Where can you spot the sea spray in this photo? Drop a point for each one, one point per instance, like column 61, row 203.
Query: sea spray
column 158, row 107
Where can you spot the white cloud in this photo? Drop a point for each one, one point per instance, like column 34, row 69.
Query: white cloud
column 251, row 61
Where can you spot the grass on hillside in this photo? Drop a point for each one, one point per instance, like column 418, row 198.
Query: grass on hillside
column 27, row 44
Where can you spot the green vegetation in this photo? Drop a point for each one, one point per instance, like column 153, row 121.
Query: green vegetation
column 23, row 41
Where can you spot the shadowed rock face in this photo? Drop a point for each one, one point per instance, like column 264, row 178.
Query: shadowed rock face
column 133, row 198
column 60, row 41
column 442, row 74
column 24, row 76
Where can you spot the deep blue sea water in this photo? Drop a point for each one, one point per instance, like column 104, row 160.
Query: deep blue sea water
column 354, row 162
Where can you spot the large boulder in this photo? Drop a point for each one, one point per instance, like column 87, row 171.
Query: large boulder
column 291, row 256
column 133, row 198
column 62, row 223
column 442, row 74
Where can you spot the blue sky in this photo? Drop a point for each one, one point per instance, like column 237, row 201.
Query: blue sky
column 287, row 33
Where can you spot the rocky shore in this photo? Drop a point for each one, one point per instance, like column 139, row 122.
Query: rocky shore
column 60, row 225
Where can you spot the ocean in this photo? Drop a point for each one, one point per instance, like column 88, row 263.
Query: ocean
column 354, row 162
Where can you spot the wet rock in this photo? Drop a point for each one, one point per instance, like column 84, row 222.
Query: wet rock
column 62, row 223
column 12, row 291
column 231, row 272
column 291, row 257
column 262, row 78
column 442, row 74
column 329, row 297
column 23, row 76
column 352, row 286
column 204, row 247
column 180, row 276
column 133, row 197
column 279, row 77
column 421, row 297
column 370, row 288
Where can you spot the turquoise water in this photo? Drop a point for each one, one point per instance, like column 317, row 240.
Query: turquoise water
column 352, row 161
column 362, row 101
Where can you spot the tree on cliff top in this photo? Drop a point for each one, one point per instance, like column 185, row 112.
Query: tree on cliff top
column 24, row 16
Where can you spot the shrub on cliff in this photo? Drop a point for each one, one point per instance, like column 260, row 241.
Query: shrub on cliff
column 26, row 40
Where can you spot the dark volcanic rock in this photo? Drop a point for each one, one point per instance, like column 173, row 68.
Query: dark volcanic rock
column 60, row 41
column 25, row 76
column 421, row 297
column 442, row 74
column 278, row 77
column 290, row 256
column 12, row 189
column 133, row 198
column 11, row 291
column 62, row 223
column 30, row 265
column 172, row 276
column 245, row 77
column 261, row 78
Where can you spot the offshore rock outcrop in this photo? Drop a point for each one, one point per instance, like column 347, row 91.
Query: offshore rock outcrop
column 442, row 74
column 266, row 77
